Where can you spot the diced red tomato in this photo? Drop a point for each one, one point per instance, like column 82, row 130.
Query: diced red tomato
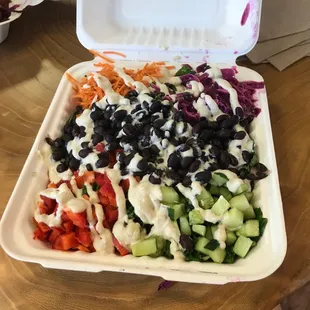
column 68, row 226
column 79, row 181
column 111, row 214
column 125, row 185
column 39, row 234
column 44, row 228
column 112, row 159
column 65, row 217
column 42, row 207
column 82, row 248
column 66, row 242
column 83, row 236
column 50, row 203
column 106, row 224
column 104, row 200
column 121, row 250
column 78, row 219
column 89, row 177
column 56, row 232
column 100, row 147
column 101, row 178
column 64, row 181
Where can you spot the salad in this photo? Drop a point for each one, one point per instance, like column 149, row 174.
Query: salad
column 6, row 10
column 155, row 161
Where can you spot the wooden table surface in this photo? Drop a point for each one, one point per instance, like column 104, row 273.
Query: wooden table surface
column 42, row 44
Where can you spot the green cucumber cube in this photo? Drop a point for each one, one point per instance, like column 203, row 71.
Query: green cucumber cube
column 242, row 188
column 184, row 226
column 169, row 195
column 240, row 202
column 195, row 217
column 248, row 195
column 233, row 219
column 230, row 237
column 242, row 246
column 220, row 206
column 176, row 211
column 145, row 247
column 249, row 213
column 209, row 233
column 199, row 229
column 249, row 229
column 200, row 244
column 213, row 229
column 214, row 190
column 205, row 199
column 225, row 193
column 217, row 255
column 219, row 179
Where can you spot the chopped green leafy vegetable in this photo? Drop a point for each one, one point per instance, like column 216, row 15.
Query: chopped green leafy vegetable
column 212, row 245
column 84, row 190
column 185, row 70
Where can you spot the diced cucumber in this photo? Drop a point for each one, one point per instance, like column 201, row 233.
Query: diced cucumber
column 217, row 255
column 176, row 211
column 220, row 206
column 205, row 258
column 170, row 196
column 225, row 193
column 230, row 237
column 160, row 244
column 205, row 199
column 214, row 190
column 184, row 225
column 213, row 229
column 242, row 246
column 209, row 233
column 199, row 229
column 195, row 217
column 242, row 188
column 248, row 195
column 233, row 219
column 218, row 179
column 249, row 213
column 200, row 244
column 240, row 202
column 249, row 229
column 145, row 247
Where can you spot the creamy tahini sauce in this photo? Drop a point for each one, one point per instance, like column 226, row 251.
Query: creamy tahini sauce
column 220, row 235
column 234, row 182
column 146, row 198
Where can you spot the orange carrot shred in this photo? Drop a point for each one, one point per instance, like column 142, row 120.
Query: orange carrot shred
column 114, row 53
column 101, row 56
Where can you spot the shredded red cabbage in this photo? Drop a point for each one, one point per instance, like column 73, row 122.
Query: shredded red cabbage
column 164, row 285
column 246, row 93
column 5, row 10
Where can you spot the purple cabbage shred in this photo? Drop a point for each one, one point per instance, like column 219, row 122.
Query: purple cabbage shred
column 165, row 285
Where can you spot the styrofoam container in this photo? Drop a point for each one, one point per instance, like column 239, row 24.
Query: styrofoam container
column 16, row 228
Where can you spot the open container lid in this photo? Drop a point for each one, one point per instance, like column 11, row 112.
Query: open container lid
column 216, row 31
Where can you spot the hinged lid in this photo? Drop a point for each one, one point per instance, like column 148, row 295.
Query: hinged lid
column 185, row 31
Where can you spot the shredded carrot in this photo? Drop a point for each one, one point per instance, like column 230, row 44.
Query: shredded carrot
column 160, row 63
column 101, row 56
column 170, row 67
column 87, row 90
column 114, row 53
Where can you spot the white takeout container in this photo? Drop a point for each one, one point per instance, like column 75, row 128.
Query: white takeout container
column 5, row 26
column 146, row 32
